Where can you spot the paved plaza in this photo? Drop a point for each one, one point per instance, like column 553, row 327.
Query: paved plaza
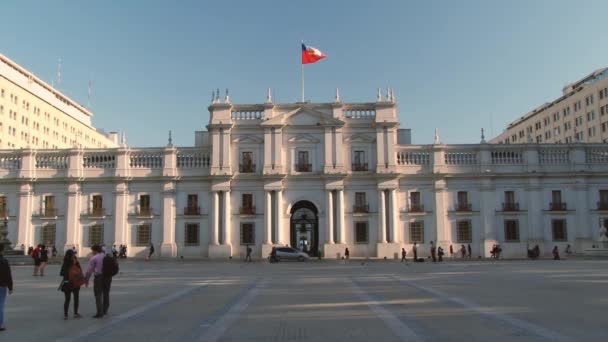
column 324, row 301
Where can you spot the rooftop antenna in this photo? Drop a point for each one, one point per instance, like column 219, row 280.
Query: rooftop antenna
column 269, row 96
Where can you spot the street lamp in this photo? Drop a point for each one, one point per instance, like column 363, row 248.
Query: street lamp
column 3, row 235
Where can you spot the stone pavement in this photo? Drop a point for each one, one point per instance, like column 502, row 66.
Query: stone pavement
column 324, row 301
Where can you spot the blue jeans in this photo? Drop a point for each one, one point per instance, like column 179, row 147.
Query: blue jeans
column 3, row 292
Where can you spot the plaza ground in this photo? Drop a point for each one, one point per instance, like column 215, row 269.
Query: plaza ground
column 324, row 301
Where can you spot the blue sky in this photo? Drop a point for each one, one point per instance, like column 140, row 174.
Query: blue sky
column 454, row 65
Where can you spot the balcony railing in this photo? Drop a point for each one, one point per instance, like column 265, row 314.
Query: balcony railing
column 48, row 212
column 144, row 212
column 416, row 208
column 192, row 211
column 97, row 212
column 464, row 207
column 510, row 206
column 360, row 167
column 361, row 208
column 557, row 206
column 250, row 210
column 600, row 206
column 246, row 168
column 303, row 167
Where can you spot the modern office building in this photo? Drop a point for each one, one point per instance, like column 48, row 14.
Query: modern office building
column 579, row 115
column 315, row 176
column 35, row 115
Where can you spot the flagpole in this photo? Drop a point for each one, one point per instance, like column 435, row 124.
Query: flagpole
column 302, row 82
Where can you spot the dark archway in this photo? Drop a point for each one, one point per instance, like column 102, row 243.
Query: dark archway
column 304, row 227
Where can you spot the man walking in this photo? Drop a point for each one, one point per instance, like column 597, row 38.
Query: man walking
column 248, row 257
column 469, row 249
column 403, row 253
column 415, row 250
column 95, row 268
column 433, row 252
column 151, row 251
column 6, row 284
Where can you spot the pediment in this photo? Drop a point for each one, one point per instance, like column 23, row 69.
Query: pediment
column 303, row 138
column 360, row 138
column 304, row 117
column 248, row 139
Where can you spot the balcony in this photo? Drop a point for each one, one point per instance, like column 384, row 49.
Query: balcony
column 247, row 168
column 144, row 212
column 510, row 206
column 360, row 167
column 97, row 212
column 249, row 210
column 48, row 213
column 557, row 206
column 303, row 167
column 192, row 211
column 361, row 208
column 600, row 206
column 463, row 207
column 415, row 208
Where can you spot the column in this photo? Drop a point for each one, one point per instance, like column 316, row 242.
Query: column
column 535, row 207
column 268, row 163
column 381, row 216
column 340, row 219
column 168, row 247
column 394, row 216
column 268, row 219
column 72, row 216
column 583, row 224
column 443, row 231
column 24, row 220
column 487, row 214
column 280, row 234
column 227, row 219
column 215, row 218
column 330, row 217
column 120, row 214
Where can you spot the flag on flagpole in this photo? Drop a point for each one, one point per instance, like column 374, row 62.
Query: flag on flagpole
column 311, row 54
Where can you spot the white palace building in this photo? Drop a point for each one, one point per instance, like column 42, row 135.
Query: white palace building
column 316, row 176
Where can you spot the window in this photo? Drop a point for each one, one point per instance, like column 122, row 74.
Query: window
column 303, row 163
column 247, row 233
column 602, row 204
column 591, row 115
column 3, row 207
column 417, row 232
column 247, row 165
column 463, row 201
column 578, row 121
column 361, row 234
column 463, row 231
column 359, row 163
column 97, row 205
column 47, row 235
column 589, row 100
column 49, row 206
column 566, row 111
column 360, row 203
column 511, row 231
column 591, row 131
column 555, row 116
column 247, row 204
column 415, row 202
column 547, row 121
column 191, row 234
column 144, row 205
column 96, row 234
column 604, row 127
column 192, row 207
column 143, row 235
column 558, row 227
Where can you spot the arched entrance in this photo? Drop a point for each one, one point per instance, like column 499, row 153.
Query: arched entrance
column 305, row 227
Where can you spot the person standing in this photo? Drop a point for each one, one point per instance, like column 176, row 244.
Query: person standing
column 440, row 253
column 469, row 249
column 415, row 250
column 463, row 251
column 35, row 254
column 346, row 253
column 403, row 253
column 6, row 284
column 451, row 252
column 555, row 253
column 248, row 256
column 151, row 251
column 433, row 252
column 72, row 281
column 44, row 258
column 95, row 269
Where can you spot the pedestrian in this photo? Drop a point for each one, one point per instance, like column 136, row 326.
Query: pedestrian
column 403, row 253
column 469, row 249
column 248, row 257
column 114, row 252
column 440, row 253
column 54, row 251
column 124, row 248
column 555, row 253
column 73, row 279
column 35, row 254
column 6, row 284
column 415, row 250
column 95, row 269
column 463, row 251
column 451, row 252
column 433, row 252
column 151, row 251
column 30, row 249
column 109, row 269
column 44, row 258
column 346, row 253
column 568, row 250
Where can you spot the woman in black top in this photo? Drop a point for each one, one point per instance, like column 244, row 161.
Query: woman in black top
column 44, row 258
column 68, row 286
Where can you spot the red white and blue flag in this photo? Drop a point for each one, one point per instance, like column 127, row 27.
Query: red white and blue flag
column 311, row 54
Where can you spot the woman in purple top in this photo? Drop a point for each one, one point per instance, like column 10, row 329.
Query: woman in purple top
column 95, row 268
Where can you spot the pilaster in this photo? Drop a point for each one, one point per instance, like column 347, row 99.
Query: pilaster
column 120, row 213
column 72, row 216
column 168, row 246
column 24, row 223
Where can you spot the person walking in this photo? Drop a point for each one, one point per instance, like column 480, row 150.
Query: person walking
column 403, row 253
column 6, row 284
column 151, row 251
column 95, row 269
column 35, row 254
column 555, row 253
column 109, row 270
column 469, row 249
column 114, row 252
column 73, row 279
column 463, row 251
column 433, row 252
column 451, row 252
column 54, row 251
column 346, row 253
column 440, row 253
column 248, row 257
column 415, row 250
column 44, row 258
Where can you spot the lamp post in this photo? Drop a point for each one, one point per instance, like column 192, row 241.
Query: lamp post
column 3, row 233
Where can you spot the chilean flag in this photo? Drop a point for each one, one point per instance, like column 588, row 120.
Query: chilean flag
column 311, row 55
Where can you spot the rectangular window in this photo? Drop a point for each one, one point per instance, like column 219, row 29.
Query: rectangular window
column 361, row 233
column 191, row 234
column 511, row 231
column 144, row 205
column 48, row 235
column 359, row 162
column 417, row 232
column 603, row 203
column 415, row 201
column 247, row 204
column 49, row 206
column 463, row 201
column 463, row 231
column 192, row 201
column 360, row 203
column 97, row 209
column 247, row 234
column 96, row 234
column 558, row 228
column 303, row 163
column 143, row 237
column 247, row 165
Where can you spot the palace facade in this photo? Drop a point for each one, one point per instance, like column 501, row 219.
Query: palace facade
column 316, row 176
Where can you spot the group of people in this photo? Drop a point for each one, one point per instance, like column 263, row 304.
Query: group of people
column 495, row 251
column 40, row 254
column 120, row 252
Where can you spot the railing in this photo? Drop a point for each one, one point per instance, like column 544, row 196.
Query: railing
column 557, row 206
column 99, row 160
column 461, row 158
column 247, row 115
column 97, row 212
column 596, row 155
column 415, row 208
column 192, row 211
column 463, row 207
column 10, row 162
column 52, row 161
column 600, row 206
column 413, row 158
column 144, row 212
column 507, row 157
column 249, row 210
column 510, row 206
column 246, row 168
column 361, row 208
column 553, row 156
column 359, row 113
column 192, row 159
column 303, row 167
column 48, row 212
column 146, row 160
column 360, row 167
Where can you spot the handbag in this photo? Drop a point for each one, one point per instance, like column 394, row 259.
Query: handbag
column 62, row 285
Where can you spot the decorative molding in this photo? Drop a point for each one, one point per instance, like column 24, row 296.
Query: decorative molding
column 303, row 138
column 248, row 139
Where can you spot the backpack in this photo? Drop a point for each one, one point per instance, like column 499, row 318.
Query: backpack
column 35, row 253
column 75, row 276
column 110, row 266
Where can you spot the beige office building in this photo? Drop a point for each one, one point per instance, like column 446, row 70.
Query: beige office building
column 34, row 114
column 579, row 115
